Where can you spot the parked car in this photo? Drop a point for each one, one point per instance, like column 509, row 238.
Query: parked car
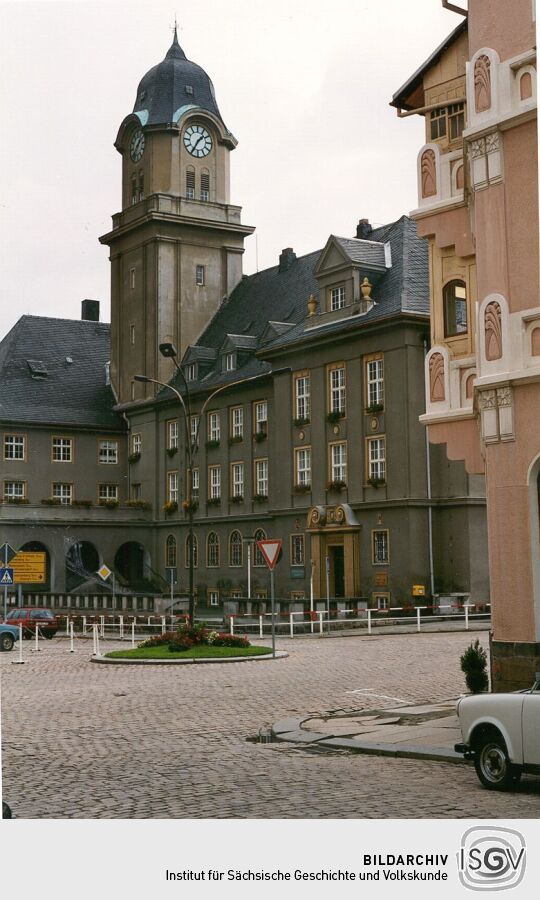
column 8, row 635
column 30, row 619
column 501, row 733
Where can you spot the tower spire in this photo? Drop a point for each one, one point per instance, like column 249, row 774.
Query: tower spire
column 175, row 50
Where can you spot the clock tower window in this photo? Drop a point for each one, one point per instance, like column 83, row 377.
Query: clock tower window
column 133, row 188
column 141, row 185
column 205, row 186
column 190, row 183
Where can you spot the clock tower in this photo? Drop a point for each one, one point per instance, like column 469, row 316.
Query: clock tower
column 176, row 246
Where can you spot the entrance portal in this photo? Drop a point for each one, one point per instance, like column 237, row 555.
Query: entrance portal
column 337, row 571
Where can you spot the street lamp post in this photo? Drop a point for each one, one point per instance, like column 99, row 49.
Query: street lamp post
column 192, row 447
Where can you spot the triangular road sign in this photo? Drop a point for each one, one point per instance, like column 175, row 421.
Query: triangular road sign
column 270, row 551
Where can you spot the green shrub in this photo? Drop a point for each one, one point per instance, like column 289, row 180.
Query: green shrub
column 474, row 664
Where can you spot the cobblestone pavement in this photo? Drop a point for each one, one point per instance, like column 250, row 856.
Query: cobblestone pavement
column 88, row 741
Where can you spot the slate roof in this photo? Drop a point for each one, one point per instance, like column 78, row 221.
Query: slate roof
column 369, row 253
column 162, row 91
column 72, row 393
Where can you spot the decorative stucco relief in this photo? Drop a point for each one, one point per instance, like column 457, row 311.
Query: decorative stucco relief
column 493, row 331
column 487, row 400
column 429, row 174
column 482, row 84
column 436, row 378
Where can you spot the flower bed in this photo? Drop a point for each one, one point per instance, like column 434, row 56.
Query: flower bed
column 190, row 643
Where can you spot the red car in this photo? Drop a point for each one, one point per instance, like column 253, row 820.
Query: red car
column 44, row 619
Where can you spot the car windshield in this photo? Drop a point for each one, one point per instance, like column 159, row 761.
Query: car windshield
column 41, row 614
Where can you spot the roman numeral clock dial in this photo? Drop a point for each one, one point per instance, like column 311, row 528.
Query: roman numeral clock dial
column 197, row 141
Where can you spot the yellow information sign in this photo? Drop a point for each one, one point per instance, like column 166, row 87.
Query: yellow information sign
column 28, row 568
column 418, row 590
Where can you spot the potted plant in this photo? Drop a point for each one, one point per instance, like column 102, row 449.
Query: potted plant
column 16, row 501
column 260, row 436
column 134, row 457
column 301, row 420
column 51, row 501
column 376, row 481
column 171, row 451
column 302, row 488
column 260, row 498
column 474, row 664
column 138, row 504
column 214, row 501
column 235, row 439
column 337, row 485
column 83, row 504
column 212, row 444
column 188, row 505
column 237, row 498
column 109, row 504
column 335, row 416
column 373, row 408
column 170, row 506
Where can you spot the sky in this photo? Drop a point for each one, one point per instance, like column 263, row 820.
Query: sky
column 304, row 85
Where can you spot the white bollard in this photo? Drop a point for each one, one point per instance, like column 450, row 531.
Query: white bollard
column 466, row 617
column 94, row 638
column 232, row 624
column 102, row 625
column 71, row 647
column 98, row 652
column 121, row 626
column 20, row 660
column 260, row 626
column 418, row 613
column 148, row 623
column 37, row 648
column 320, row 623
column 369, row 621
column 291, row 625
column 133, row 633
column 163, row 625
column 84, row 625
column 67, row 626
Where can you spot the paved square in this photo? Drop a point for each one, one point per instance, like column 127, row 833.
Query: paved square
column 87, row 741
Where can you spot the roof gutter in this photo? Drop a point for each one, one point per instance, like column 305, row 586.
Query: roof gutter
column 453, row 8
column 424, row 109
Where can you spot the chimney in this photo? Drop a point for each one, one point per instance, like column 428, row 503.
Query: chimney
column 286, row 259
column 90, row 310
column 363, row 229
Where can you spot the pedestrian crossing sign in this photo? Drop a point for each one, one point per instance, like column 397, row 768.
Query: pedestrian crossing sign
column 6, row 576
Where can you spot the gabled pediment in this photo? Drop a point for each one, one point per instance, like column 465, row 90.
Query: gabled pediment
column 332, row 257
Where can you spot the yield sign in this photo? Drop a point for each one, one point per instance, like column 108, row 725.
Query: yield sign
column 270, row 551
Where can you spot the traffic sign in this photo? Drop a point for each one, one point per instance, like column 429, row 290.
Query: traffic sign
column 104, row 572
column 7, row 553
column 6, row 576
column 29, row 567
column 270, row 551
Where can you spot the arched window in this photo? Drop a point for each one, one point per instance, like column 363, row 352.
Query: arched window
column 141, row 184
column 455, row 308
column 205, row 185
column 170, row 551
column 235, row 549
column 258, row 558
column 212, row 549
column 195, row 552
column 190, row 183
column 134, row 188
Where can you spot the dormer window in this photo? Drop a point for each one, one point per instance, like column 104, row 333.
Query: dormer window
column 229, row 362
column 337, row 297
column 189, row 89
column 191, row 372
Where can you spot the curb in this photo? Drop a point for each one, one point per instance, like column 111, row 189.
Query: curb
column 290, row 730
column 280, row 654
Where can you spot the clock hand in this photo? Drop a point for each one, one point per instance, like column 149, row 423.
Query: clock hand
column 198, row 142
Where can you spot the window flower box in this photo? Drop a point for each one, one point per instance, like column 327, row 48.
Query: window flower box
column 335, row 416
column 188, row 505
column 134, row 457
column 138, row 504
column 301, row 421
column 214, row 501
column 302, row 488
column 16, row 501
column 260, row 498
column 109, row 504
column 171, row 451
column 238, row 498
column 260, row 436
column 376, row 482
column 83, row 504
column 170, row 507
column 374, row 408
column 51, row 501
column 337, row 485
column 235, row 439
column 213, row 444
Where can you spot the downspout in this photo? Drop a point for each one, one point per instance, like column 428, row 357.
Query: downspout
column 430, row 510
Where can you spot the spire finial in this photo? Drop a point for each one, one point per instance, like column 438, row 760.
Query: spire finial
column 175, row 30
column 175, row 50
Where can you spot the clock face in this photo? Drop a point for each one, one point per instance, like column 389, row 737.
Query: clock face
column 197, row 141
column 136, row 147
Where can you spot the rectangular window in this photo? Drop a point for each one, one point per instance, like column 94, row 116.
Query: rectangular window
column 382, row 601
column 62, row 449
column 438, row 123
column 62, row 492
column 14, row 446
column 213, row 598
column 237, row 472
column 261, row 417
column 214, row 482
column 214, row 427
column 298, row 596
column 377, row 459
column 136, row 443
column 194, row 429
column 190, row 372
column 195, row 482
column 141, row 186
column 297, row 550
column 108, row 452
column 375, row 382
column 230, row 362
column 303, row 466
column 108, row 492
column 380, row 550
column 136, row 492
column 190, row 184
column 456, row 120
column 205, row 187
column 199, row 276
column 338, row 463
column 336, row 386
column 133, row 189
column 172, row 487
column 132, row 335
column 14, row 490
column 302, row 398
column 337, row 297
column 132, row 278
column 237, row 422
column 261, row 477
column 172, row 434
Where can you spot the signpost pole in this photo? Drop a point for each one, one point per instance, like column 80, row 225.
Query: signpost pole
column 249, row 569
column 6, row 561
column 273, row 606
column 327, row 562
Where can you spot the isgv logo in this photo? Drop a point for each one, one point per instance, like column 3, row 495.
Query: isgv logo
column 491, row 858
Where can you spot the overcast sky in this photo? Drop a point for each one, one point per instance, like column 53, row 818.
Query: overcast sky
column 303, row 85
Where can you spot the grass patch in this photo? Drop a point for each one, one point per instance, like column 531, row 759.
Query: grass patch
column 197, row 652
